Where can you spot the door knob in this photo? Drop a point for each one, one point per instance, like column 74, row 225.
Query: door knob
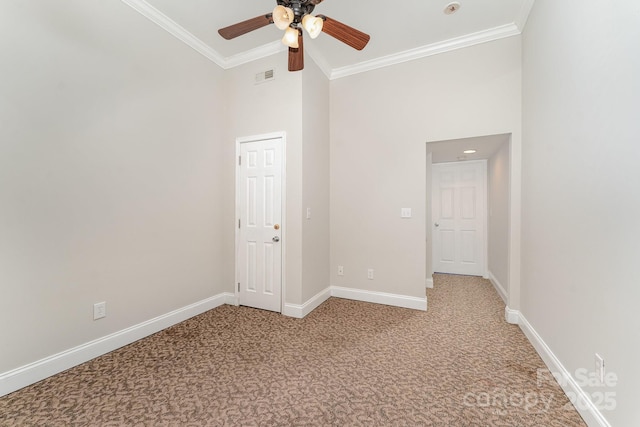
column 437, row 225
column 276, row 239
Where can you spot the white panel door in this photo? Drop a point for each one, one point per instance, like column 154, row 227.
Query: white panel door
column 459, row 215
column 259, row 207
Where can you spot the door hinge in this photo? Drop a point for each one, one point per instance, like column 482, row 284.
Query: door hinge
column 238, row 286
column 239, row 160
column 238, row 223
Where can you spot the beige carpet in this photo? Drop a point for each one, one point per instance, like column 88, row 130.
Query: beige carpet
column 347, row 363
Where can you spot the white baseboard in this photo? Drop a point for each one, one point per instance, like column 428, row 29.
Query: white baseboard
column 380, row 298
column 29, row 374
column 587, row 410
column 511, row 316
column 231, row 299
column 429, row 282
column 300, row 311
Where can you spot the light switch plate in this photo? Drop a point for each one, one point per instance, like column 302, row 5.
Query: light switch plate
column 99, row 310
column 405, row 213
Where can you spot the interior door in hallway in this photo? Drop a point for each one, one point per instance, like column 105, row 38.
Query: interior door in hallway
column 459, row 215
column 259, row 220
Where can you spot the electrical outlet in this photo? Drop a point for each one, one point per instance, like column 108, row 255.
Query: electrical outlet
column 99, row 310
column 370, row 274
column 599, row 368
column 340, row 270
column 308, row 213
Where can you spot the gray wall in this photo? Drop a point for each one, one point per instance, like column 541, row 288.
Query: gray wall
column 580, row 187
column 109, row 174
column 380, row 121
column 315, row 181
column 498, row 172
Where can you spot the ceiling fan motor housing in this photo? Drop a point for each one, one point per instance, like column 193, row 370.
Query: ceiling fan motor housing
column 292, row 25
column 299, row 7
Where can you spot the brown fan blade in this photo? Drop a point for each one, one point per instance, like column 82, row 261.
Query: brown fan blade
column 296, row 56
column 244, row 27
column 346, row 34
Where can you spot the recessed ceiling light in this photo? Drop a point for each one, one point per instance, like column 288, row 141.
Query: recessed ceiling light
column 469, row 151
column 452, row 8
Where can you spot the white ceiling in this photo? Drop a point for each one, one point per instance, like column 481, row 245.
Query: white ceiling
column 399, row 31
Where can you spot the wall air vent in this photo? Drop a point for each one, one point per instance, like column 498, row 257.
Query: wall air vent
column 265, row 76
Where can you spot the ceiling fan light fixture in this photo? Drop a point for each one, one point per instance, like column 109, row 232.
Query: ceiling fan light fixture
column 313, row 25
column 282, row 17
column 288, row 15
column 291, row 38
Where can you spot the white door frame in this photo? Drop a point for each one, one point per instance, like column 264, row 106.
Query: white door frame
column 283, row 235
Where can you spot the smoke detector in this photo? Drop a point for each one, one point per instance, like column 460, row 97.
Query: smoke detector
column 452, row 8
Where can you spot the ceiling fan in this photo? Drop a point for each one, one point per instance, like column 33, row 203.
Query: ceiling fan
column 292, row 16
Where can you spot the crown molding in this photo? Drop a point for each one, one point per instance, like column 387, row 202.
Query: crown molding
column 176, row 30
column 179, row 32
column 253, row 54
column 428, row 50
column 521, row 21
